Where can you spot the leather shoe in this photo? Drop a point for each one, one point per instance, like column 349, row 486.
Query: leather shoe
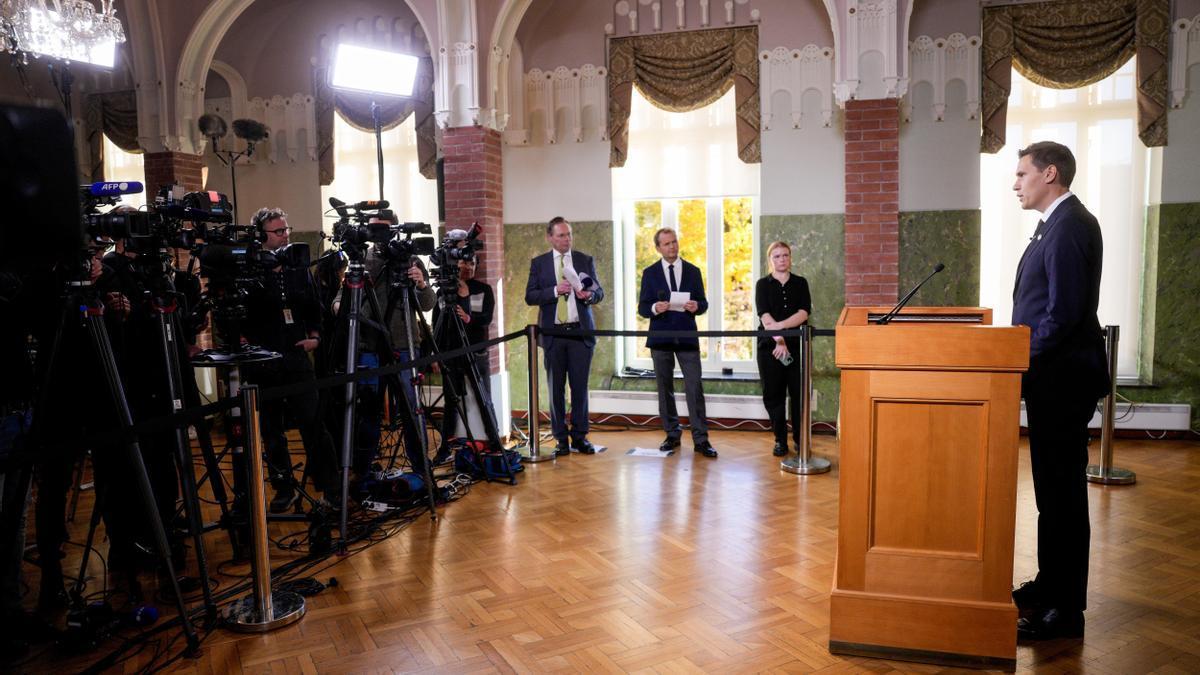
column 669, row 445
column 780, row 450
column 585, row 447
column 1050, row 624
column 283, row 499
column 1029, row 596
column 562, row 449
column 705, row 449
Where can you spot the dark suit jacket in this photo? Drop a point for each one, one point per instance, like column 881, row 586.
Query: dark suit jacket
column 539, row 292
column 1056, row 294
column 655, row 287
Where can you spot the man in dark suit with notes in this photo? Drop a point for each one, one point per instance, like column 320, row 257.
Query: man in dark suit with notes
column 669, row 275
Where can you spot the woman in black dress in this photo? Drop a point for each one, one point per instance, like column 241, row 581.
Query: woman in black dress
column 783, row 303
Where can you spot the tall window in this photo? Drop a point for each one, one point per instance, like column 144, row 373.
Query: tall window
column 1099, row 124
column 413, row 197
column 683, row 172
column 124, row 166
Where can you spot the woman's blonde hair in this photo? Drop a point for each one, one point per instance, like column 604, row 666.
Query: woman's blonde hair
column 777, row 244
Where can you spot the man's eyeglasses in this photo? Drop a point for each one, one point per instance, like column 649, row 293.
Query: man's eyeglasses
column 278, row 232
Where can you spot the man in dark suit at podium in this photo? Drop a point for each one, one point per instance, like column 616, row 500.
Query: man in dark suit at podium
column 1056, row 293
column 673, row 274
column 564, row 286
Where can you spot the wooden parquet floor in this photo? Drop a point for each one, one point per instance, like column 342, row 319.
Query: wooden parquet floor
column 613, row 563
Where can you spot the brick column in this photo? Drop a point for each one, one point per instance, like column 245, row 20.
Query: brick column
column 172, row 168
column 872, row 202
column 474, row 192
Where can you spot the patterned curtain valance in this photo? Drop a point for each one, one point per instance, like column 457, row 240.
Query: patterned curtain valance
column 113, row 114
column 681, row 72
column 355, row 109
column 1074, row 43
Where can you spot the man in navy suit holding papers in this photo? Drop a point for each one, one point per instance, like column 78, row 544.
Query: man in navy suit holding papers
column 672, row 296
column 1056, row 294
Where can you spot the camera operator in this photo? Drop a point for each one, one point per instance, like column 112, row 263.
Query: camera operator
column 284, row 315
column 474, row 305
column 391, row 280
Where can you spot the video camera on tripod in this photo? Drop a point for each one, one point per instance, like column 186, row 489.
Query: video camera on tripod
column 372, row 222
column 456, row 246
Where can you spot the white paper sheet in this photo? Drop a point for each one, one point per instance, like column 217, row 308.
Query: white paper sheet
column 677, row 301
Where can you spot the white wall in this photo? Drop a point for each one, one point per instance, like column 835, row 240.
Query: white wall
column 293, row 187
column 1181, row 157
column 939, row 161
column 802, row 169
column 568, row 179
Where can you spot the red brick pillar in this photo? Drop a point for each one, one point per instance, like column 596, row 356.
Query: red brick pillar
column 474, row 191
column 172, row 168
column 872, row 202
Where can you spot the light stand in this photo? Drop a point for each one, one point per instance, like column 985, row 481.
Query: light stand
column 213, row 127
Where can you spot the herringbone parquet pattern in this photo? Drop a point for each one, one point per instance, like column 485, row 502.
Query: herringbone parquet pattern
column 614, row 563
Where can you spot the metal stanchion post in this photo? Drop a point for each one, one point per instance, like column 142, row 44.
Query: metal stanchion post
column 535, row 454
column 1104, row 472
column 804, row 463
column 263, row 610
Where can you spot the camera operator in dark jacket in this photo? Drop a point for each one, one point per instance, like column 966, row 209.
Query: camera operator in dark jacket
column 474, row 306
column 284, row 315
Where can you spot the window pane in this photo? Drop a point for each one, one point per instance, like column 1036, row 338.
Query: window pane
column 693, row 242
column 737, row 246
column 647, row 218
column 124, row 166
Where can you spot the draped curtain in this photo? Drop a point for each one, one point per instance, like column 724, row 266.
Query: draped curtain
column 680, row 72
column 1071, row 44
column 355, row 109
column 114, row 115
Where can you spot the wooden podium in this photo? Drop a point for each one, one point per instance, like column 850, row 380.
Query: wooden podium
column 930, row 407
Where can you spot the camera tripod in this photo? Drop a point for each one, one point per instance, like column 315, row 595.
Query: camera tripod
column 81, row 303
column 354, row 286
column 449, row 320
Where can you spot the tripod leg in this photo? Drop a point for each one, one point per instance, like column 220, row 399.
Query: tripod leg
column 103, row 348
column 354, row 284
column 168, row 331
column 94, row 522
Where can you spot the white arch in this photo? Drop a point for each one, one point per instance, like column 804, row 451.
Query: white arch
column 197, row 57
column 149, row 67
column 504, row 31
column 237, row 89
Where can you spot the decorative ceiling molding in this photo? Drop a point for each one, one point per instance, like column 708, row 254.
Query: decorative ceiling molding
column 940, row 61
column 1185, row 53
column 869, row 26
column 631, row 17
column 796, row 71
column 569, row 91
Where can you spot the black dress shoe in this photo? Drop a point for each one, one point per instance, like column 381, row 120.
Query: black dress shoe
column 585, row 447
column 780, row 450
column 1051, row 624
column 1029, row 596
column 705, row 449
column 562, row 450
column 669, row 445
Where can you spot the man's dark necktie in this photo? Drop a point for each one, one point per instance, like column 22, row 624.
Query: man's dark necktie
column 671, row 274
column 1041, row 227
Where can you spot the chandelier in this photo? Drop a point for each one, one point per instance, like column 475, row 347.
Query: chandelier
column 73, row 30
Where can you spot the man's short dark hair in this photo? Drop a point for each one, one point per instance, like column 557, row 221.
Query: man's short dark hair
column 555, row 221
column 663, row 230
column 1045, row 153
column 266, row 215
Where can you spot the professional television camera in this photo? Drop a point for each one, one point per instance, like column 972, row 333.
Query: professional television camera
column 455, row 246
column 372, row 222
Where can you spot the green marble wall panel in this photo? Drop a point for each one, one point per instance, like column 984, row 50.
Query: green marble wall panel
column 948, row 237
column 1173, row 271
column 818, row 255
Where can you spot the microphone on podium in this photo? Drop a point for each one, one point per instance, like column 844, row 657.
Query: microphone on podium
column 904, row 301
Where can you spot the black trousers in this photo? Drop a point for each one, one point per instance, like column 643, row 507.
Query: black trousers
column 568, row 360
column 779, row 382
column 1058, row 440
column 301, row 411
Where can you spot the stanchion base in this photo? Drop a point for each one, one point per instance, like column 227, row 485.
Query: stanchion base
column 1114, row 476
column 542, row 457
column 287, row 608
column 812, row 466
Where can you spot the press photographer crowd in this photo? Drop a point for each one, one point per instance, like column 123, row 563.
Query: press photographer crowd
column 110, row 316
